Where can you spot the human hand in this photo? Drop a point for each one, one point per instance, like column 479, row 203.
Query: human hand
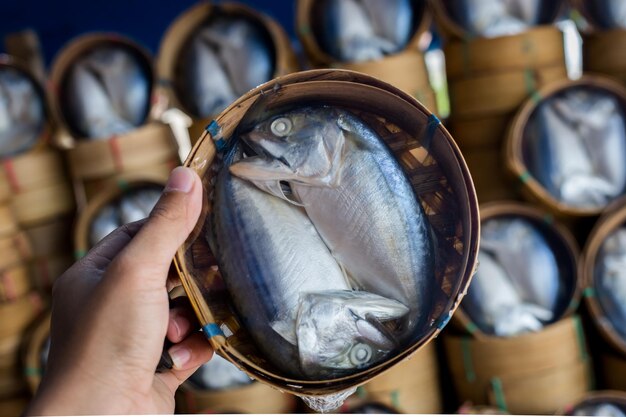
column 110, row 317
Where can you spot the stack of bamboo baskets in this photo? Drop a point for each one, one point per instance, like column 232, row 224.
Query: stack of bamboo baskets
column 488, row 79
column 405, row 70
column 95, row 163
column 534, row 373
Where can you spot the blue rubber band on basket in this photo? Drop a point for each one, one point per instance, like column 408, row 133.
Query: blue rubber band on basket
column 361, row 392
column 212, row 330
column 443, row 321
column 466, row 352
column 580, row 336
column 213, row 128
column 496, row 385
column 431, row 129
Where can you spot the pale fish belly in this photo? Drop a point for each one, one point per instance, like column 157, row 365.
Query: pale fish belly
column 269, row 254
column 375, row 227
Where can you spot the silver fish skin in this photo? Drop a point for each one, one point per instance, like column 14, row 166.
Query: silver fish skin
column 107, row 220
column 271, row 256
column 391, row 19
column 491, row 18
column 206, row 81
column 138, row 204
column 246, row 57
column 612, row 278
column 356, row 195
column 604, row 409
column 21, row 113
column 526, row 257
column 219, row 374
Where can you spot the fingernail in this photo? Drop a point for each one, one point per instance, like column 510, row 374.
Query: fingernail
column 180, row 356
column 181, row 179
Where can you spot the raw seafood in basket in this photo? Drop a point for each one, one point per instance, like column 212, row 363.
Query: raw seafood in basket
column 606, row 14
column 22, row 114
column 518, row 284
column 218, row 374
column 323, row 294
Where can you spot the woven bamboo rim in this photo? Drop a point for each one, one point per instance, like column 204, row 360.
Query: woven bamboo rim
column 539, row 47
column 66, row 138
column 600, row 53
column 590, row 398
column 613, row 371
column 45, row 270
column 106, row 196
column 15, row 249
column 255, row 398
column 50, row 238
column 497, row 370
column 611, row 220
column 306, row 29
column 499, row 93
column 22, row 312
column 32, row 170
column 412, row 387
column 43, row 204
column 183, row 27
column 405, row 70
column 150, row 144
column 7, row 61
column 8, row 223
column 567, row 254
column 339, row 88
column 33, row 346
column 450, row 29
column 515, row 136
column 479, row 133
column 15, row 282
column 13, row 407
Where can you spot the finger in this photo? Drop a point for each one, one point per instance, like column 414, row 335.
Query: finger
column 169, row 224
column 187, row 356
column 182, row 322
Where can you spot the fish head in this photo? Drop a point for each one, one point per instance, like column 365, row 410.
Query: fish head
column 303, row 147
column 342, row 331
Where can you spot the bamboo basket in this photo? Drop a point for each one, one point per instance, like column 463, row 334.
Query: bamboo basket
column 540, row 47
column 50, row 238
column 565, row 250
column 179, row 32
column 15, row 249
column 617, row 398
column 33, row 170
column 5, row 188
column 308, row 29
column 405, row 70
column 499, row 93
column 468, row 408
column 412, row 387
column 15, row 282
column 106, row 196
column 480, row 133
column 13, row 407
column 43, row 204
column 9, row 352
column 535, row 373
column 8, row 223
column 613, row 371
column 33, row 345
column 46, row 270
column 600, row 53
column 613, row 218
column 487, row 170
column 450, row 28
column 22, row 312
column 256, row 398
column 438, row 173
column 513, row 154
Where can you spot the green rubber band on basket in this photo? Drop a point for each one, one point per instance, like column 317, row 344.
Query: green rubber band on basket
column 361, row 392
column 496, row 385
column 580, row 336
column 573, row 305
column 531, row 85
column 305, row 30
column 471, row 327
column 589, row 292
column 32, row 372
column 524, row 177
column 395, row 399
column 466, row 351
column 79, row 254
column 548, row 219
column 123, row 185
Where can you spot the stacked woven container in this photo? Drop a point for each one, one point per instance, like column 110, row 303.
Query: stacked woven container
column 489, row 76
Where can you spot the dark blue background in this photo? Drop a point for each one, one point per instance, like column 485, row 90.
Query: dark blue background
column 58, row 21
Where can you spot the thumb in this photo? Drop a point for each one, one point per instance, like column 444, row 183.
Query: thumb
column 171, row 221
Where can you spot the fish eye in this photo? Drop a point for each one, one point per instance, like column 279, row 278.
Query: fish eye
column 281, row 127
column 360, row 354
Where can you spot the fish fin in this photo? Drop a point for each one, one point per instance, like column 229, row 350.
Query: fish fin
column 286, row 329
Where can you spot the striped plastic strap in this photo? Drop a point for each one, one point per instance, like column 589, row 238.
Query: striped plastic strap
column 116, row 153
column 498, row 391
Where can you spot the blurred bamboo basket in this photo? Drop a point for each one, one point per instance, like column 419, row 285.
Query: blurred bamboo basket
column 34, row 170
column 34, row 344
column 50, row 238
column 104, row 197
column 562, row 244
column 535, row 373
column 412, row 387
column 46, row 269
column 43, row 204
column 405, row 70
column 15, row 282
column 180, row 31
column 613, row 371
column 601, row 56
column 13, row 407
column 485, row 165
column 15, row 249
column 514, row 143
column 424, row 150
column 255, row 398
column 8, row 223
column 613, row 219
